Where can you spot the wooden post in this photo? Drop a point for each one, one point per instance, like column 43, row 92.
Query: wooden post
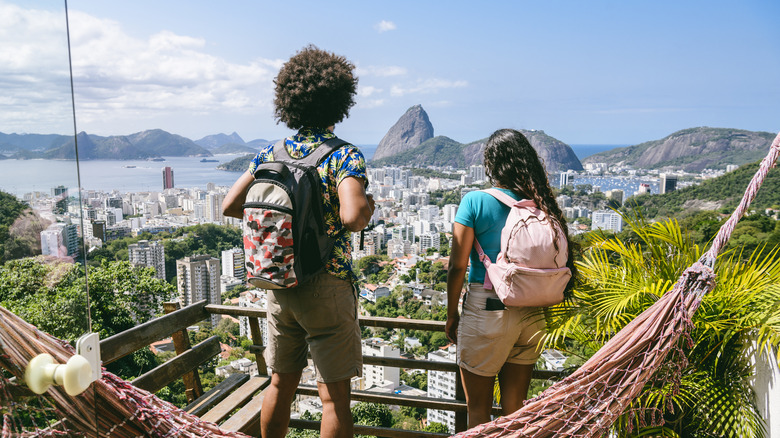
column 257, row 339
column 461, row 418
column 181, row 342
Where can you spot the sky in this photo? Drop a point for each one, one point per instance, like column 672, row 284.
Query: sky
column 595, row 72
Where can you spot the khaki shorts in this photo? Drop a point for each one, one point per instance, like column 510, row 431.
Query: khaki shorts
column 487, row 339
column 320, row 316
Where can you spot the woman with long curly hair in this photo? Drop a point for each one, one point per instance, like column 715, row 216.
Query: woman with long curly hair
column 494, row 340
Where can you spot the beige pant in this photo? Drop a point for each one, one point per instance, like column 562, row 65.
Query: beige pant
column 320, row 316
column 487, row 339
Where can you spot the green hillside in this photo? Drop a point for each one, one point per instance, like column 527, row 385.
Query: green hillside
column 438, row 151
column 725, row 191
column 240, row 164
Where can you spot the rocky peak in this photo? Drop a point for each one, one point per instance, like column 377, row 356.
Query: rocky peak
column 411, row 130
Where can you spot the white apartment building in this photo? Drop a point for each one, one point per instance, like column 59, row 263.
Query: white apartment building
column 148, row 254
column 429, row 240
column 253, row 299
column 214, row 207
column 448, row 213
column 607, row 220
column 441, row 384
column 397, row 248
column 477, row 172
column 377, row 376
column 233, row 263
column 60, row 240
column 197, row 278
column 566, row 179
column 429, row 213
column 563, row 201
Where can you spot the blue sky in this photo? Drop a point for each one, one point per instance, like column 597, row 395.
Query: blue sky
column 596, row 72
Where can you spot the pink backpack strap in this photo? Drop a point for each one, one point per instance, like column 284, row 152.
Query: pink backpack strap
column 508, row 200
column 488, row 285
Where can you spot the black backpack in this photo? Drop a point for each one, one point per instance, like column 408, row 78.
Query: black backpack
column 285, row 238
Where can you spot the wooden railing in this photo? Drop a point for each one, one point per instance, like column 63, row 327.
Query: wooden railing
column 244, row 394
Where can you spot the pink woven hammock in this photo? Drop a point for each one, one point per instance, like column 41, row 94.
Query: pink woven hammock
column 585, row 404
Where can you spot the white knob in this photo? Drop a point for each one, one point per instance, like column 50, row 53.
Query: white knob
column 39, row 374
column 77, row 375
column 42, row 372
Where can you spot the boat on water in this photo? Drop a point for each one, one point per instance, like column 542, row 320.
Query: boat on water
column 129, row 166
column 156, row 159
column 205, row 160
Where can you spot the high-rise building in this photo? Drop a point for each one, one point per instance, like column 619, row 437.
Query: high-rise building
column 99, row 230
column 197, row 278
column 167, row 173
column 214, row 207
column 607, row 220
column 441, row 384
column 429, row 240
column 60, row 240
column 148, row 254
column 615, row 195
column 233, row 263
column 668, row 183
column 378, row 375
column 477, row 172
column 60, row 195
column 566, row 179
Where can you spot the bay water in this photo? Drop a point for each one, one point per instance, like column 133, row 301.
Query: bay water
column 24, row 176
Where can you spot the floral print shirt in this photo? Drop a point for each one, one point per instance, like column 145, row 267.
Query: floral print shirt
column 346, row 161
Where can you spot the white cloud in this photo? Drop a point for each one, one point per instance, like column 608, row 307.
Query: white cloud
column 384, row 26
column 380, row 71
column 427, row 86
column 116, row 75
column 368, row 90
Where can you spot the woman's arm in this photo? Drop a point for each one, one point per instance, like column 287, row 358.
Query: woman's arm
column 233, row 204
column 462, row 241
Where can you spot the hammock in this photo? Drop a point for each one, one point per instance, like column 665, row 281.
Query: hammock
column 110, row 407
column 585, row 404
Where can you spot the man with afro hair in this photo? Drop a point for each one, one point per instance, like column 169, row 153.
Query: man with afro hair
column 315, row 90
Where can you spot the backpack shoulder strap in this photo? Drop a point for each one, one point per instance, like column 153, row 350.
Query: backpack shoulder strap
column 512, row 202
column 501, row 196
column 314, row 158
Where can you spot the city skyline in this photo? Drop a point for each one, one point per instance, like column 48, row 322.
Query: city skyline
column 585, row 73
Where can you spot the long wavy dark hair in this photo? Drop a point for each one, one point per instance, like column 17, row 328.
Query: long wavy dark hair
column 512, row 163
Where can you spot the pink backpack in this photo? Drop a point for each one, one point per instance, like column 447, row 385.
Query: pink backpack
column 529, row 270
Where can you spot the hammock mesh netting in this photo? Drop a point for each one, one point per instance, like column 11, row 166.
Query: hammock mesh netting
column 584, row 404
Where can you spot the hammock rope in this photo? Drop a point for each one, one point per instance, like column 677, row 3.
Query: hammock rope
column 584, row 404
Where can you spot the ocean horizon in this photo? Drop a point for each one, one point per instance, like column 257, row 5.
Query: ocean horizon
column 26, row 176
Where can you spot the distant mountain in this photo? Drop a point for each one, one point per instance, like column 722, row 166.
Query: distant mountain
column 444, row 151
column 259, row 143
column 141, row 145
column 233, row 148
column 29, row 142
column 409, row 132
column 692, row 150
column 217, row 140
column 713, row 194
